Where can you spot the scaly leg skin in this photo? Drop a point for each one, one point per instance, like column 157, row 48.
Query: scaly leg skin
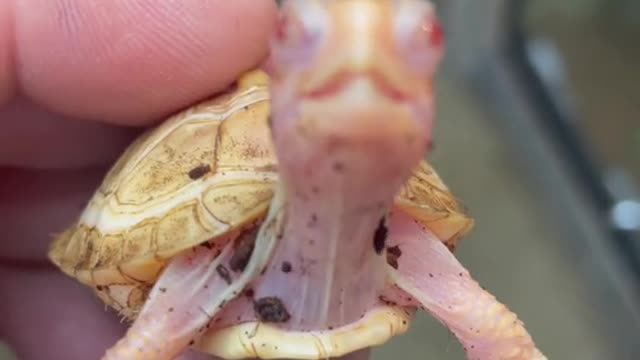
column 193, row 288
column 430, row 273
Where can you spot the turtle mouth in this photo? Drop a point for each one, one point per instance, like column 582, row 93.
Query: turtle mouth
column 340, row 82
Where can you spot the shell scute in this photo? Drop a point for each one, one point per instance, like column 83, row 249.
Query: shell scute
column 228, row 201
column 165, row 167
column 134, row 241
column 176, row 231
column 238, row 147
column 150, row 204
column 426, row 198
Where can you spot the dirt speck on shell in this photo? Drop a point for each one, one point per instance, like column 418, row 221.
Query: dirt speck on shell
column 199, row 171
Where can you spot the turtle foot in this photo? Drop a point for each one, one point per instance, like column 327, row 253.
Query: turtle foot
column 179, row 306
column 192, row 289
column 427, row 271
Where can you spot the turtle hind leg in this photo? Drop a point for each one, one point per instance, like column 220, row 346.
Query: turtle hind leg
column 194, row 287
column 427, row 271
column 175, row 309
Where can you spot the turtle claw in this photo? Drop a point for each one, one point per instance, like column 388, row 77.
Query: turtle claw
column 433, row 277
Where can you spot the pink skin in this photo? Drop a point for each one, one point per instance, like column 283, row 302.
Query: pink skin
column 430, row 273
column 353, row 97
column 170, row 307
column 348, row 109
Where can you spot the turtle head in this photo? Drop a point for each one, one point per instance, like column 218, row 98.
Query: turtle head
column 357, row 72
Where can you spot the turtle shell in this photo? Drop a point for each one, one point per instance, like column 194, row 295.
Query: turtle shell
column 205, row 174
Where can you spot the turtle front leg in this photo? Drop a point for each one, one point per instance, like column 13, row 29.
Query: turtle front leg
column 430, row 273
column 175, row 309
column 192, row 289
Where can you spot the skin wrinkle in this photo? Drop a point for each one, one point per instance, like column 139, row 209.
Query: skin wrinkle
column 103, row 54
column 68, row 18
column 162, row 41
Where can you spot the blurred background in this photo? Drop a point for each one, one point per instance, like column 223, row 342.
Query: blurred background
column 538, row 133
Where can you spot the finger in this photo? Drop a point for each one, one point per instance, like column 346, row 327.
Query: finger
column 6, row 34
column 36, row 204
column 131, row 61
column 46, row 315
column 32, row 137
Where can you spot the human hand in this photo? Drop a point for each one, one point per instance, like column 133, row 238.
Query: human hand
column 78, row 81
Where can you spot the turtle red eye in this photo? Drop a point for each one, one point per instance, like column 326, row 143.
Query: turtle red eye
column 420, row 38
column 429, row 35
column 288, row 29
column 295, row 36
column 434, row 29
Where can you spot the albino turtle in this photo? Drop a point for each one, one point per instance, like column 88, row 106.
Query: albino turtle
column 293, row 217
